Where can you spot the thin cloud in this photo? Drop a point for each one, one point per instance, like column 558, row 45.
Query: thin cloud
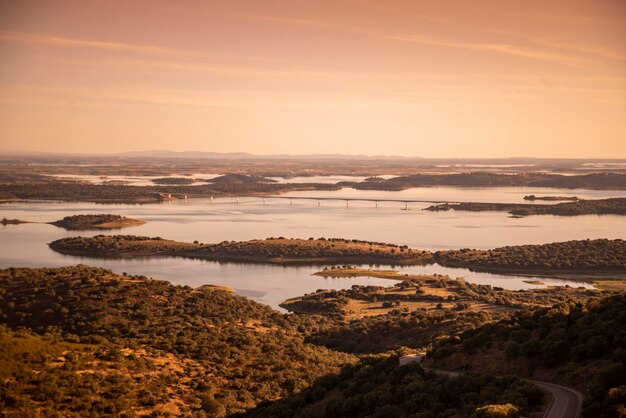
column 505, row 49
column 386, row 7
column 74, row 42
column 595, row 50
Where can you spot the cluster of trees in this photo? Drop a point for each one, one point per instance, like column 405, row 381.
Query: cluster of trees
column 599, row 254
column 585, row 343
column 612, row 206
column 5, row 221
column 320, row 248
column 268, row 249
column 49, row 188
column 49, row 375
column 377, row 387
column 239, row 352
column 74, row 191
column 521, row 298
column 458, row 292
column 116, row 245
column 173, row 180
column 550, row 198
column 416, row 328
column 99, row 221
column 398, row 328
column 484, row 179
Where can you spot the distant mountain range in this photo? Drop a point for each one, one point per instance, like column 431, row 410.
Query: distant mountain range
column 167, row 154
column 241, row 155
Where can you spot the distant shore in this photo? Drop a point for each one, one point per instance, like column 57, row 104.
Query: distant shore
column 15, row 187
column 611, row 206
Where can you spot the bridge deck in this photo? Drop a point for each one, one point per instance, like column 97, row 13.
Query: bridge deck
column 359, row 199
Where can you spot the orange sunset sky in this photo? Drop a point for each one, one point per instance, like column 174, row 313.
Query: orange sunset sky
column 439, row 78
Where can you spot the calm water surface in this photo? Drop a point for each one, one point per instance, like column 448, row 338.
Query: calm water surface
column 198, row 219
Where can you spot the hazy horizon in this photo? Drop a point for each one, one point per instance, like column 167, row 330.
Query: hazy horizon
column 165, row 153
column 486, row 79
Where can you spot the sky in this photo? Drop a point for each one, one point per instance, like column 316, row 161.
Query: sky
column 481, row 78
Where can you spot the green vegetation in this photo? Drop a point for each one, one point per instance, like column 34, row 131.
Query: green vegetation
column 6, row 221
column 271, row 250
column 616, row 181
column 19, row 180
column 173, row 180
column 218, row 345
column 581, row 344
column 51, row 375
column 50, row 188
column 550, row 198
column 436, row 289
column 612, row 206
column 81, row 341
column 102, row 221
column 585, row 255
column 601, row 255
column 397, row 329
column 374, row 319
column 377, row 387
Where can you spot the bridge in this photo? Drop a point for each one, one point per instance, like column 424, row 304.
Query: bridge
column 358, row 199
column 376, row 201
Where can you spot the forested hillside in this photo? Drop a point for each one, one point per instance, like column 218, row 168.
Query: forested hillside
column 583, row 345
column 226, row 352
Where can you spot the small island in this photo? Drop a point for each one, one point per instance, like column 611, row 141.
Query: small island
column 532, row 197
column 102, row 221
column 6, row 221
column 174, row 180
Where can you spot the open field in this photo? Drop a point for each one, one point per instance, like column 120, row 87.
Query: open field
column 424, row 292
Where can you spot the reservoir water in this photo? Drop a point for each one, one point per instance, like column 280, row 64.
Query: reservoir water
column 25, row 245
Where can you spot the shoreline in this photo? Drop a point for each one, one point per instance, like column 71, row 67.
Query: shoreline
column 280, row 251
column 284, row 251
column 598, row 283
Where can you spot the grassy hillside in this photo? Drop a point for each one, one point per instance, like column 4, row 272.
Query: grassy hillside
column 227, row 352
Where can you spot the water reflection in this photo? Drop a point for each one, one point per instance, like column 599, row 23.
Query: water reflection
column 224, row 219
